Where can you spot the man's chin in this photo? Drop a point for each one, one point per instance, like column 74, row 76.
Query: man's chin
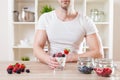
column 65, row 7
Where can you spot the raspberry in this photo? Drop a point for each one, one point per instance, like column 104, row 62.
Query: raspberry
column 22, row 66
column 15, row 69
column 10, row 67
column 105, row 72
column 59, row 54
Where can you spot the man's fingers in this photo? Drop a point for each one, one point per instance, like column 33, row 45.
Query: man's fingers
column 53, row 63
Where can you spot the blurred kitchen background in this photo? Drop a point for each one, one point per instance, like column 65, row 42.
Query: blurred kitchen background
column 5, row 31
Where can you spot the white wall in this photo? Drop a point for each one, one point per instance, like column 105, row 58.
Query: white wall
column 116, row 38
column 4, row 38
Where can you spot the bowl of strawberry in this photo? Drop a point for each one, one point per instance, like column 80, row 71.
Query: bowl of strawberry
column 104, row 72
column 104, row 67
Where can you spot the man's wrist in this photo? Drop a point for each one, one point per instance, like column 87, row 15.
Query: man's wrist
column 75, row 57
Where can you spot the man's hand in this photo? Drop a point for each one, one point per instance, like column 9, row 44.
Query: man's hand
column 52, row 63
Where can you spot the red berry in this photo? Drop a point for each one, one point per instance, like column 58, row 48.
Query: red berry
column 109, row 71
column 10, row 67
column 66, row 51
column 99, row 71
column 95, row 69
column 17, row 65
column 22, row 66
column 22, row 70
column 59, row 54
column 15, row 69
column 105, row 72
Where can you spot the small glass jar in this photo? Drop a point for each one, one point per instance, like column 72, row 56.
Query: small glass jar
column 94, row 15
column 104, row 67
column 101, row 16
column 85, row 65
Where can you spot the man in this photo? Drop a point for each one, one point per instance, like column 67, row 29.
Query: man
column 65, row 28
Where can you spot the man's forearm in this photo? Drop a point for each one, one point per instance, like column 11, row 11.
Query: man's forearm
column 41, row 54
column 93, row 54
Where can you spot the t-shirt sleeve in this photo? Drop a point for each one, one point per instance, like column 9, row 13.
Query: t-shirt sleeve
column 41, row 24
column 90, row 26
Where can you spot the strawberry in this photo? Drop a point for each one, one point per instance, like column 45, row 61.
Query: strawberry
column 66, row 51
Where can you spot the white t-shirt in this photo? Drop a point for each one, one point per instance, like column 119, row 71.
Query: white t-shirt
column 67, row 34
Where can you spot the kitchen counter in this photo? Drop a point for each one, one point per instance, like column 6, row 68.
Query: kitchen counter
column 41, row 71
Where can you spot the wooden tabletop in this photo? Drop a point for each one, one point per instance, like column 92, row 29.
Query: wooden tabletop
column 41, row 71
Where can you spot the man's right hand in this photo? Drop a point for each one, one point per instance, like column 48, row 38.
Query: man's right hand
column 52, row 63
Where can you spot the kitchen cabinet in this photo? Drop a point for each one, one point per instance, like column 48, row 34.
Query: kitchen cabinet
column 22, row 32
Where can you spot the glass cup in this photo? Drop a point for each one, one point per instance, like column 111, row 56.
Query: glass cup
column 85, row 65
column 104, row 67
column 61, row 59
